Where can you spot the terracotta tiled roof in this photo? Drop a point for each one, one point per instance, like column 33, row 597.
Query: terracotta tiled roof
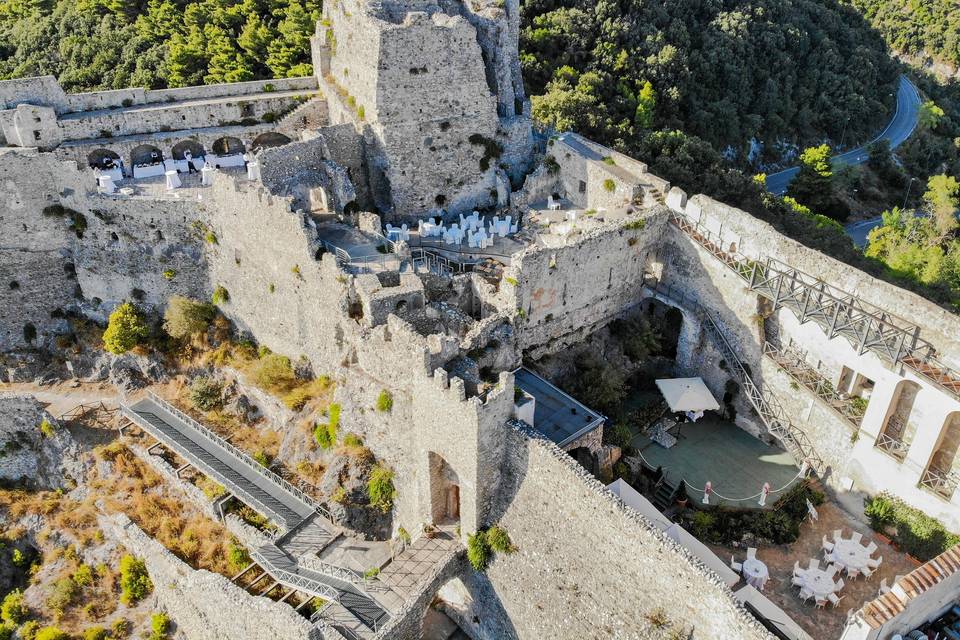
column 923, row 578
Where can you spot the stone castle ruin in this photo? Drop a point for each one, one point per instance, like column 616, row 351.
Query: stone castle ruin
column 417, row 110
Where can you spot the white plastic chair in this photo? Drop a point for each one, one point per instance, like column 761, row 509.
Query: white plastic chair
column 797, row 571
column 875, row 563
column 838, row 535
column 736, row 566
column 839, row 585
column 821, row 603
column 814, row 564
column 797, row 582
column 857, row 537
column 834, row 600
column 852, row 573
column 884, row 588
column 866, row 572
column 827, row 545
column 832, row 571
column 751, row 553
column 805, row 594
column 515, row 227
column 871, row 547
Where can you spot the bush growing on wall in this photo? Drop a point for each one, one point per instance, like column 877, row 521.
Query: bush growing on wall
column 125, row 329
column 14, row 609
column 184, row 317
column 380, row 488
column 220, row 295
column 135, row 582
column 482, row 544
column 384, row 401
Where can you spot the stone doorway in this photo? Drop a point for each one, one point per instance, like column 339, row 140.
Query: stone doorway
column 444, row 492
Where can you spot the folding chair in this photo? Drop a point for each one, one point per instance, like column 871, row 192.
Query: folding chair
column 838, row 534
column 834, row 600
column 751, row 553
column 736, row 566
column 857, row 537
column 871, row 547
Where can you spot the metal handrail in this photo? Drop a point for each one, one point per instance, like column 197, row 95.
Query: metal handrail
column 891, row 339
column 791, row 361
column 295, row 579
column 267, row 473
column 893, row 446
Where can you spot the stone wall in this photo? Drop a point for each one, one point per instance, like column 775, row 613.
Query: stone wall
column 46, row 91
column 204, row 605
column 606, row 566
column 566, row 293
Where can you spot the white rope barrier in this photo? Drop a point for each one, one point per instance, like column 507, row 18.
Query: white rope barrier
column 801, row 473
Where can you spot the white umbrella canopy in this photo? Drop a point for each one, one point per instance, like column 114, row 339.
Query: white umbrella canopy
column 687, row 394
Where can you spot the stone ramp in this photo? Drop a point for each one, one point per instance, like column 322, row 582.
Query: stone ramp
column 237, row 472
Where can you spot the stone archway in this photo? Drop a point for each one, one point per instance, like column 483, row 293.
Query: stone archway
column 101, row 158
column 269, row 139
column 444, row 492
column 196, row 149
column 897, row 432
column 227, row 146
column 145, row 154
column 943, row 470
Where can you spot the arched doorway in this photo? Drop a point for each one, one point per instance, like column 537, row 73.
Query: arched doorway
column 269, row 139
column 451, row 614
column 227, row 146
column 195, row 148
column 444, row 492
column 144, row 155
column 897, row 432
column 943, row 471
column 103, row 159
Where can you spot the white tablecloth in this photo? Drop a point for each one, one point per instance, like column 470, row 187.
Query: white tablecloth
column 115, row 174
column 148, row 170
column 819, row 582
column 850, row 554
column 755, row 573
column 430, row 229
column 234, row 160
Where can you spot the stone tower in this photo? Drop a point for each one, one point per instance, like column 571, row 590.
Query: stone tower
column 437, row 92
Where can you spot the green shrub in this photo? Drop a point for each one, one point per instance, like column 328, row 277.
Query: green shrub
column 135, row 582
column 95, row 633
column 120, row 629
column 6, row 631
column 206, row 393
column 322, row 434
column 333, row 411
column 274, row 373
column 384, row 401
column 237, row 555
column 478, row 551
column 372, row 572
column 339, row 495
column 125, row 329
column 83, row 576
column 29, row 630
column 185, row 317
column 609, row 185
column 404, row 535
column 48, row 431
column 261, row 457
column 703, row 522
column 159, row 626
column 18, row 557
column 352, row 440
column 511, row 281
column 169, row 274
column 380, row 488
column 220, row 295
column 63, row 594
column 51, row 633
column 14, row 610
column 499, row 540
column 918, row 534
column 609, row 160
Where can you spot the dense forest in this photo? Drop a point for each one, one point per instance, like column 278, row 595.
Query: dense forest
column 111, row 44
column 917, row 27
column 723, row 70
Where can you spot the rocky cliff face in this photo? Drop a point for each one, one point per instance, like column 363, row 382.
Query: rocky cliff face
column 35, row 450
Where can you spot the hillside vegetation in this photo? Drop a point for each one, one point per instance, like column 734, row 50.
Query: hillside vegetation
column 917, row 27
column 111, row 44
column 723, row 70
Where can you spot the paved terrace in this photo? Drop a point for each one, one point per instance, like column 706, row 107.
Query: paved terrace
column 140, row 109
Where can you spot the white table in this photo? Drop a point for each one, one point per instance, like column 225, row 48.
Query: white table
column 232, row 160
column 850, row 554
column 819, row 582
column 115, row 174
column 755, row 573
column 148, row 170
column 206, row 175
column 173, row 180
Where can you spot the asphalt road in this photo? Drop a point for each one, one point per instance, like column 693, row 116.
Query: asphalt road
column 897, row 130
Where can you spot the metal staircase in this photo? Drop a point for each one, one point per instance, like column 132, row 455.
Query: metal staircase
column 766, row 404
column 664, row 493
column 865, row 326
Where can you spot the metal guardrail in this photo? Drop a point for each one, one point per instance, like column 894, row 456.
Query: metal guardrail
column 295, row 580
column 267, row 473
column 839, row 313
column 795, row 365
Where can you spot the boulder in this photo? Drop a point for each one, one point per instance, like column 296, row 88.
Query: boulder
column 47, row 458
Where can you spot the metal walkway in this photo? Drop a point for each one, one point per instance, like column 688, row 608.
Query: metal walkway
column 242, row 476
column 865, row 326
column 305, row 522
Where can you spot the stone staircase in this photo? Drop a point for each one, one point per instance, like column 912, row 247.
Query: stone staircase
column 304, row 116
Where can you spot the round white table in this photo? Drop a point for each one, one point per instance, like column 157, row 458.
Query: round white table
column 850, row 554
column 755, row 573
column 819, row 582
